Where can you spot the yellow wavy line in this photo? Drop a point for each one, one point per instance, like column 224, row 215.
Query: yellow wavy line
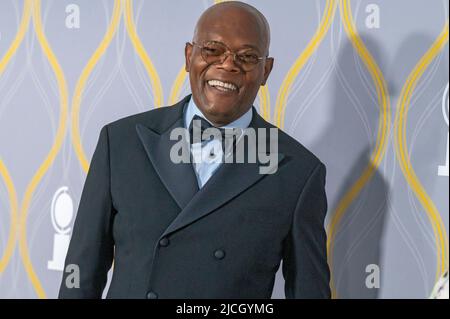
column 288, row 81
column 14, row 203
column 13, row 223
column 264, row 102
column 177, row 85
column 81, row 83
column 403, row 157
column 142, row 53
column 383, row 128
column 25, row 22
column 63, row 92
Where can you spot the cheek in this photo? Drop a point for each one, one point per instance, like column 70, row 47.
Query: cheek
column 253, row 84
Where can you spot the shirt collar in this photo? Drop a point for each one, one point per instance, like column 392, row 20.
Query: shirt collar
column 192, row 109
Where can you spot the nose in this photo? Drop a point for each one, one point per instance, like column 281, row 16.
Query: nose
column 228, row 64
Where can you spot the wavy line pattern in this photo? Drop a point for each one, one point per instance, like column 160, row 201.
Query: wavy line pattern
column 48, row 161
column 280, row 108
column 4, row 173
column 142, row 53
column 375, row 86
column 383, row 129
column 79, row 88
column 401, row 115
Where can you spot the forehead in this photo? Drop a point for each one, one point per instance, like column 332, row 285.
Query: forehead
column 234, row 28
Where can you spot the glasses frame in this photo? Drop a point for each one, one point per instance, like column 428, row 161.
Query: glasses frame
column 225, row 55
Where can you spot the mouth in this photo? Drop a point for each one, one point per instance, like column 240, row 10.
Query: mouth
column 226, row 87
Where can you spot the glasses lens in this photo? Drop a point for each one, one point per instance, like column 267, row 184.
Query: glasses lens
column 248, row 61
column 213, row 52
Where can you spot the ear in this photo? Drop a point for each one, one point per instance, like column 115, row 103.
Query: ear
column 187, row 56
column 267, row 69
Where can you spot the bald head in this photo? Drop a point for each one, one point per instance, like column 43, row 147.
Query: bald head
column 235, row 15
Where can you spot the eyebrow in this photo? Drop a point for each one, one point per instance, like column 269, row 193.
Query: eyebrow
column 244, row 46
column 250, row 46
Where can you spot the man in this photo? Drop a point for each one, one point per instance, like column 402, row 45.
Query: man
column 207, row 229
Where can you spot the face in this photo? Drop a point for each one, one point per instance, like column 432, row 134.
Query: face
column 240, row 33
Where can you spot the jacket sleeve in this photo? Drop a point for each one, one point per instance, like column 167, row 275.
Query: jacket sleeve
column 91, row 247
column 305, row 267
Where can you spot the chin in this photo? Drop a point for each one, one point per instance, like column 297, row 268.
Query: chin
column 222, row 112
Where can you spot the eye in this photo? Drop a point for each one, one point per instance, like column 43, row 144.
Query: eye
column 212, row 49
column 249, row 58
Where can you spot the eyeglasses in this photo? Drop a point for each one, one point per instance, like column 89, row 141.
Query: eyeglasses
column 214, row 52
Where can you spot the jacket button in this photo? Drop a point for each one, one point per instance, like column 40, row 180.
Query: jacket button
column 164, row 242
column 219, row 254
column 152, row 295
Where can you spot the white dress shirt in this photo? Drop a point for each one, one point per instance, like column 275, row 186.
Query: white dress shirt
column 208, row 155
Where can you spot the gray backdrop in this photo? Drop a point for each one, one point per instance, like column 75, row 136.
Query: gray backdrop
column 362, row 84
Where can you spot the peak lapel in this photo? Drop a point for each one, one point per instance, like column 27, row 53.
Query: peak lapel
column 230, row 180
column 179, row 179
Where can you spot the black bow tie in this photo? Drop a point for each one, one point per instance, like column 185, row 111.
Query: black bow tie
column 202, row 124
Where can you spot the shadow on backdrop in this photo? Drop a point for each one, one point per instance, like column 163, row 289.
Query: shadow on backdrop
column 347, row 152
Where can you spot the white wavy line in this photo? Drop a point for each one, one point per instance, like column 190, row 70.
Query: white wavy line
column 418, row 93
column 408, row 239
column 129, row 83
column 35, row 220
column 97, row 98
column 358, row 204
column 14, row 264
column 424, row 116
column 411, row 246
column 4, row 78
column 311, row 96
column 100, row 93
column 13, row 89
column 420, row 220
column 425, row 81
column 413, row 249
column 367, row 83
column 145, row 81
column 300, row 81
column 67, row 146
column 98, row 69
column 402, row 230
column 353, row 98
column 359, row 240
column 41, row 92
column 140, row 71
column 428, row 111
column 48, row 71
column 371, row 92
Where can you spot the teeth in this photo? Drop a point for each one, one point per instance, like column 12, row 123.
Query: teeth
column 222, row 85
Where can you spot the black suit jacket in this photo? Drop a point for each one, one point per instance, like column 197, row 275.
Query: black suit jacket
column 168, row 239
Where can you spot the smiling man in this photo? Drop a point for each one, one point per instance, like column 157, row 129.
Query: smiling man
column 203, row 228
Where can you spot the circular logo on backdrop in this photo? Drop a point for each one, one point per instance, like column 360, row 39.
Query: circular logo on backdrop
column 62, row 210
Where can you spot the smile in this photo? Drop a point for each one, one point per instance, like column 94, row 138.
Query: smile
column 222, row 86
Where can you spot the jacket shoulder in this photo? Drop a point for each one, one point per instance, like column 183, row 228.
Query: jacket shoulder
column 294, row 149
column 147, row 117
column 297, row 151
